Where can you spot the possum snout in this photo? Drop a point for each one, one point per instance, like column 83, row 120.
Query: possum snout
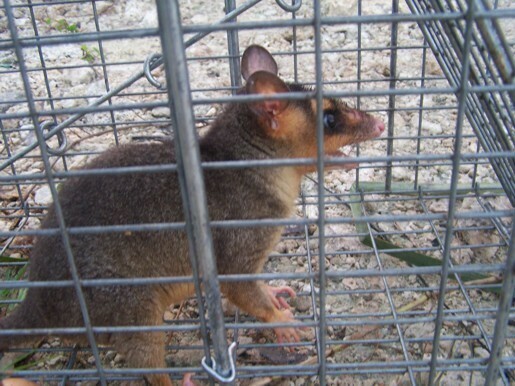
column 377, row 127
column 360, row 126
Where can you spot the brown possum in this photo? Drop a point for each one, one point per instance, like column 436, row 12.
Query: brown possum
column 243, row 131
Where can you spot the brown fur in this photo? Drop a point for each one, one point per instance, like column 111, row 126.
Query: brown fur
column 260, row 130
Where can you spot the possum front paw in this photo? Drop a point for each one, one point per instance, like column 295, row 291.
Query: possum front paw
column 277, row 300
column 283, row 313
column 286, row 334
column 267, row 304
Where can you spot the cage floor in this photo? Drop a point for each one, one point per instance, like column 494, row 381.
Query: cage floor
column 378, row 307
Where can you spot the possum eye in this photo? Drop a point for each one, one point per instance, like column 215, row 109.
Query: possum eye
column 329, row 120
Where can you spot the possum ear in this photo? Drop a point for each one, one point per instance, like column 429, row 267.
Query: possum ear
column 256, row 58
column 267, row 84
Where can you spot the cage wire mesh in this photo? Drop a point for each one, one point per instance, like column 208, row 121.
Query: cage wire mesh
column 364, row 252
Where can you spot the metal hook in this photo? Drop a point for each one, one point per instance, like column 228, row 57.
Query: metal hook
column 211, row 370
column 61, row 138
column 289, row 8
column 147, row 69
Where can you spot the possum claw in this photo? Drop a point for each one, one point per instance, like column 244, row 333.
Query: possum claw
column 279, row 301
column 287, row 334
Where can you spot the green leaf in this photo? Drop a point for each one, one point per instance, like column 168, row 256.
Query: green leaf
column 16, row 363
column 61, row 25
column 74, row 28
column 8, row 259
column 409, row 257
column 421, row 260
column 89, row 54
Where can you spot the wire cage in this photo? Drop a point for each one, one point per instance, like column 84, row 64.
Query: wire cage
column 403, row 267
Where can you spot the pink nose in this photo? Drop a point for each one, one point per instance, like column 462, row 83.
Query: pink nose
column 380, row 126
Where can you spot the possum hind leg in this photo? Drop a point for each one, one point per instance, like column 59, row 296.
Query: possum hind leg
column 144, row 350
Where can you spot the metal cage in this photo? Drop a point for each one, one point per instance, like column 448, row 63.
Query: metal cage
column 404, row 268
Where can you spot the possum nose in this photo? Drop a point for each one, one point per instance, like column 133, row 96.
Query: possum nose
column 379, row 126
